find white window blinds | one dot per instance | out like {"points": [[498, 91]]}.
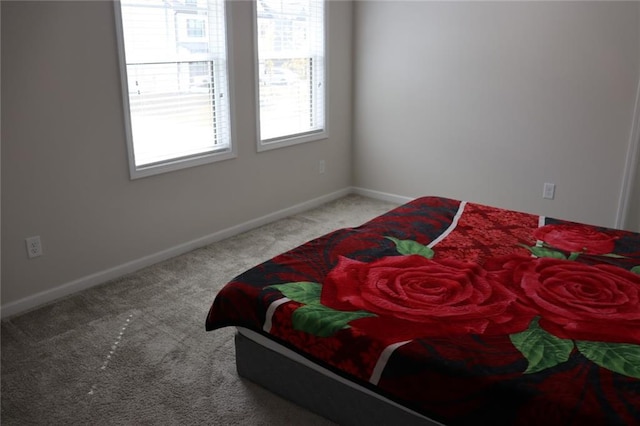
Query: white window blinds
{"points": [[175, 68], [290, 39]]}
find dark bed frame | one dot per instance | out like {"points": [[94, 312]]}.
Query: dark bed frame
{"points": [[316, 392]]}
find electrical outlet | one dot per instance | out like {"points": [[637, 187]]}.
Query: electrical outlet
{"points": [[549, 191], [321, 166], [34, 246]]}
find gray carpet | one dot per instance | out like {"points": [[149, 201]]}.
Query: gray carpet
{"points": [[134, 350]]}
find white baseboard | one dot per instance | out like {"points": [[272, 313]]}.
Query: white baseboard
{"points": [[383, 196], [36, 300], [48, 296]]}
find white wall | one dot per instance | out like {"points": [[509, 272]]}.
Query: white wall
{"points": [[486, 101], [64, 161]]}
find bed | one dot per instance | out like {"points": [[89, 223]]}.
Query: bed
{"points": [[447, 312]]}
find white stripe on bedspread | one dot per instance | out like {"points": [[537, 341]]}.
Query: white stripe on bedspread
{"points": [[270, 311], [451, 227], [542, 221], [382, 361]]}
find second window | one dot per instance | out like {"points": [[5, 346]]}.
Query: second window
{"points": [[290, 50]]}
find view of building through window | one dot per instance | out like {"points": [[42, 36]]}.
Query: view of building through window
{"points": [[290, 38], [175, 55]]}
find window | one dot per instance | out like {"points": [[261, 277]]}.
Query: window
{"points": [[173, 62], [195, 28], [290, 40]]}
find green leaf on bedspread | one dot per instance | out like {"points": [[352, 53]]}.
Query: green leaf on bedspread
{"points": [[313, 317], [636, 269], [301, 292], [574, 255], [322, 321], [622, 358], [546, 252], [407, 247], [541, 349], [614, 256]]}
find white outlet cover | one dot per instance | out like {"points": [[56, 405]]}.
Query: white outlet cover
{"points": [[34, 247], [549, 191]]}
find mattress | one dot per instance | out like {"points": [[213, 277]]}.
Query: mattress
{"points": [[460, 312]]}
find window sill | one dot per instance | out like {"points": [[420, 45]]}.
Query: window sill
{"points": [[137, 172], [276, 143]]}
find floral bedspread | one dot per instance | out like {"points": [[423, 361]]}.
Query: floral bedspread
{"points": [[463, 312]]}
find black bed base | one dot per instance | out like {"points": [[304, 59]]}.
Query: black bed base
{"points": [[316, 392]]}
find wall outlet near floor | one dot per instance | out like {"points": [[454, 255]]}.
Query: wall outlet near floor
{"points": [[321, 167], [549, 191], [34, 246]]}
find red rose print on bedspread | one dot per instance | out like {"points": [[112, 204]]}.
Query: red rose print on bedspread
{"points": [[576, 301], [576, 238], [424, 297]]}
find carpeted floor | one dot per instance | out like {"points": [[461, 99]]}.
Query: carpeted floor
{"points": [[134, 350]]}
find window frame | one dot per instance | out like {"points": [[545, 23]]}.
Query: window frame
{"points": [[184, 162], [298, 138]]}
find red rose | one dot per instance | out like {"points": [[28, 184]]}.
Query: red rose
{"points": [[598, 303], [576, 238], [425, 297]]}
